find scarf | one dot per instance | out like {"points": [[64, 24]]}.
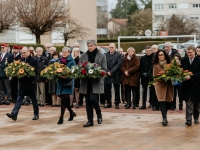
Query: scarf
{"points": [[162, 63], [128, 57], [92, 55]]}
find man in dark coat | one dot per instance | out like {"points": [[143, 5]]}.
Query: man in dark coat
{"points": [[14, 80], [191, 87], [114, 61], [169, 50], [27, 87], [5, 82], [145, 65], [42, 63]]}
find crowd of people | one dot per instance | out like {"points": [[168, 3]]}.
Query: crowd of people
{"points": [[125, 73]]}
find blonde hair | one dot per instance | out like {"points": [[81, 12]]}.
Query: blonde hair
{"points": [[130, 49], [73, 52]]}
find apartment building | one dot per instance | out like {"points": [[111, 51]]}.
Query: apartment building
{"points": [[164, 9]]}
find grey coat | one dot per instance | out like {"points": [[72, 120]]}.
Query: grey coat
{"points": [[97, 84], [113, 66]]}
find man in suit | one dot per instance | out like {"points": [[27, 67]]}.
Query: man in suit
{"points": [[191, 87], [169, 50], [27, 87], [5, 82], [42, 63], [114, 61], [91, 88]]}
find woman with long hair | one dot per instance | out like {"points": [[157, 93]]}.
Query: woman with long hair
{"points": [[62, 91], [164, 90]]}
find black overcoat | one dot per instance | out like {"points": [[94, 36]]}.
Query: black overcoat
{"points": [[8, 58], [28, 85], [114, 63], [191, 88]]}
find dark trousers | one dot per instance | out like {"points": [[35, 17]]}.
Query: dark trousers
{"points": [[123, 95], [154, 97], [177, 90], [137, 98], [144, 94], [164, 106], [65, 103], [48, 98], [92, 102], [108, 92], [128, 94], [101, 98], [81, 96], [19, 103], [14, 87], [192, 108], [5, 83]]}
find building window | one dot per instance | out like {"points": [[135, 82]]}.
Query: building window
{"points": [[196, 5], [194, 18], [172, 6], [158, 6]]}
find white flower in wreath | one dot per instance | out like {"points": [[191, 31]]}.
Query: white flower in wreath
{"points": [[90, 71], [72, 71]]}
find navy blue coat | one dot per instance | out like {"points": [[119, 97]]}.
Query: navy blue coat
{"points": [[60, 89], [113, 66], [8, 58], [28, 85]]}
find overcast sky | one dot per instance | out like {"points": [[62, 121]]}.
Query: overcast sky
{"points": [[111, 4]]}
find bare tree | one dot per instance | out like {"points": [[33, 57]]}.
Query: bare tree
{"points": [[72, 29], [7, 15], [179, 25], [40, 16], [139, 22]]}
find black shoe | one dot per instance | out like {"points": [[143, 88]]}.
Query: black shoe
{"points": [[188, 123], [137, 105], [196, 121], [88, 124], [26, 103], [134, 107], [2, 102], [41, 105], [127, 106], [36, 117], [60, 121], [72, 115], [72, 106], [117, 106], [12, 116], [150, 106], [164, 122], [142, 107], [7, 102], [14, 100], [99, 119], [108, 106]]}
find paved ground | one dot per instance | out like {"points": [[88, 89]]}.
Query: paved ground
{"points": [[121, 130]]}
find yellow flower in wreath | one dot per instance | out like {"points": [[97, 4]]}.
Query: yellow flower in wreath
{"points": [[59, 70], [32, 69]]}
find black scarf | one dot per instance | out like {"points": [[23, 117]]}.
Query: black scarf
{"points": [[92, 55]]}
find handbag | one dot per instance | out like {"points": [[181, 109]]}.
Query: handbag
{"points": [[67, 83]]}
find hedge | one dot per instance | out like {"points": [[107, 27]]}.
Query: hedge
{"points": [[139, 46]]}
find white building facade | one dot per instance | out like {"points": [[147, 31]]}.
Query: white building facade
{"points": [[164, 9]]}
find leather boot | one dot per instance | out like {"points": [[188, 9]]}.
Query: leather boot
{"points": [[72, 115], [60, 121]]}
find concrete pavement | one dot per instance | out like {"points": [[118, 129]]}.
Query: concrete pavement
{"points": [[121, 130]]}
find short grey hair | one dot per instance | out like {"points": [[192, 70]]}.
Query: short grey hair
{"points": [[154, 46], [48, 45], [76, 43], [94, 42], [168, 43], [39, 49], [66, 48], [53, 48]]}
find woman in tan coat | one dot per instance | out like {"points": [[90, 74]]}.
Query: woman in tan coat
{"points": [[164, 90], [130, 75]]}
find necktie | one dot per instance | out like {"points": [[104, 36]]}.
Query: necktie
{"points": [[14, 56], [190, 61]]}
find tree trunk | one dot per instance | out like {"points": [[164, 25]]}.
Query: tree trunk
{"points": [[38, 39], [65, 43]]}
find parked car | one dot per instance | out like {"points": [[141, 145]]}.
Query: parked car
{"points": [[104, 49], [179, 47], [192, 41], [190, 44]]}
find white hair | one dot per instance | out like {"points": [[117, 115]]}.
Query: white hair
{"points": [[73, 52], [39, 49], [168, 43], [53, 48], [48, 45], [130, 49], [154, 46], [76, 43]]}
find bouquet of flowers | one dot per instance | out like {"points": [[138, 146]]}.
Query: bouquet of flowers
{"points": [[19, 69], [172, 72], [88, 70], [56, 70]]}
